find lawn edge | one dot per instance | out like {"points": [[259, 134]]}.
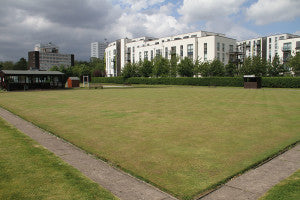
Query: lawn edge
{"points": [[196, 196], [259, 163], [118, 167]]}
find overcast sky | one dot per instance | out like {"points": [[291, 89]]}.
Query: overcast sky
{"points": [[74, 24]]}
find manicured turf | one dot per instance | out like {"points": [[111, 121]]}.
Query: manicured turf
{"points": [[288, 189], [28, 171], [183, 139]]}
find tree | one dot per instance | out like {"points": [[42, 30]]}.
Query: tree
{"points": [[54, 68], [204, 68], [130, 70], [21, 64], [160, 67], [254, 65], [7, 65], [173, 65], [97, 67], [231, 69], [294, 64], [276, 68], [186, 67], [145, 69], [216, 68]]}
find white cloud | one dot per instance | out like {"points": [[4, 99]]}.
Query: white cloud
{"points": [[229, 28], [195, 10], [268, 11], [138, 5], [297, 33]]}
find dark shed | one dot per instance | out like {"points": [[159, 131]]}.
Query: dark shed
{"points": [[31, 79], [252, 81]]}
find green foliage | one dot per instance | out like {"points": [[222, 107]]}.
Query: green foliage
{"points": [[186, 67], [130, 70], [98, 67], [231, 70], [216, 68], [117, 80], [294, 63], [146, 68], [7, 65], [204, 69], [254, 65], [161, 67], [281, 82], [173, 65], [21, 64]]}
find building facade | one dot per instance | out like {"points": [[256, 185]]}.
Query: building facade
{"points": [[201, 45], [98, 49], [269, 46], [46, 56]]}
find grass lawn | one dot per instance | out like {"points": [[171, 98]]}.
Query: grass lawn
{"points": [[28, 171], [288, 189], [182, 139]]}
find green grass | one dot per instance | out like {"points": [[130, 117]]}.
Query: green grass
{"points": [[184, 140], [288, 189], [28, 171]]}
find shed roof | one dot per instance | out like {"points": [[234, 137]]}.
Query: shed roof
{"points": [[30, 72], [74, 78]]}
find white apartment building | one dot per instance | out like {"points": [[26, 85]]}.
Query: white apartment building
{"points": [[266, 47], [98, 49], [201, 45], [46, 56]]}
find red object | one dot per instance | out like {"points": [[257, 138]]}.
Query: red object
{"points": [[73, 82]]}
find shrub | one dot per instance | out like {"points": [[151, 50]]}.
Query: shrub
{"points": [[118, 80], [281, 82]]}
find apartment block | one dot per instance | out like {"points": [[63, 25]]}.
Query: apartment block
{"points": [[267, 47], [46, 56], [201, 45], [98, 49]]}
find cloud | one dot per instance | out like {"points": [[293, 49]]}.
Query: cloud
{"points": [[230, 29], [268, 11], [137, 5], [195, 10]]}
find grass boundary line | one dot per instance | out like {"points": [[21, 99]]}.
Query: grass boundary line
{"points": [[115, 166], [195, 196], [251, 167]]}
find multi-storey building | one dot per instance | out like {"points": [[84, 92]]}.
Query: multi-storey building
{"points": [[266, 47], [46, 56], [201, 45], [98, 49]]}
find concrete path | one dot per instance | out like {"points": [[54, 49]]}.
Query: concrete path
{"points": [[119, 183], [254, 183]]}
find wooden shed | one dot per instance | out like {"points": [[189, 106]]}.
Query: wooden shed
{"points": [[31, 79], [73, 82], [252, 81]]}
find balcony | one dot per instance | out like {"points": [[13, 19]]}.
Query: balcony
{"points": [[286, 49]]}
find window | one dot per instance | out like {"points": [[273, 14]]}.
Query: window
{"points": [[270, 40], [151, 54], [231, 48], [145, 55], [270, 46], [173, 51], [190, 51], [218, 46], [287, 46], [223, 57], [166, 52], [223, 47], [158, 52], [140, 56], [181, 51], [205, 51], [218, 56], [133, 57], [281, 38]]}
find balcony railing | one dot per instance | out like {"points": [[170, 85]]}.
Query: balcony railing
{"points": [[286, 49]]}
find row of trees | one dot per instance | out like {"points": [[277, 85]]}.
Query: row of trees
{"points": [[9, 65], [162, 67], [96, 68]]}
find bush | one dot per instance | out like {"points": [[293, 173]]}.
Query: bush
{"points": [[118, 80], [281, 82], [270, 82]]}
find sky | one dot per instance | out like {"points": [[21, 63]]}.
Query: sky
{"points": [[74, 24]]}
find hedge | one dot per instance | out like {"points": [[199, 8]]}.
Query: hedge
{"points": [[271, 82]]}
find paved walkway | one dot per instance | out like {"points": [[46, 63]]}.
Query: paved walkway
{"points": [[248, 186], [119, 183], [254, 183]]}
